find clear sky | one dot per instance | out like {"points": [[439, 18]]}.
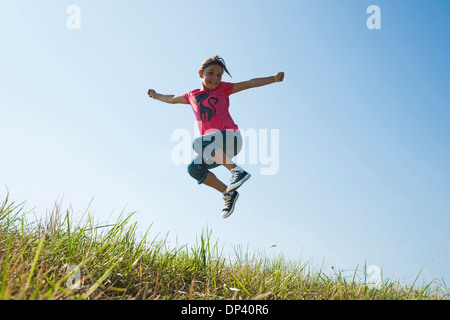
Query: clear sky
{"points": [[362, 116]]}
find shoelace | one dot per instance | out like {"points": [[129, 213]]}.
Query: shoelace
{"points": [[235, 176], [227, 199]]}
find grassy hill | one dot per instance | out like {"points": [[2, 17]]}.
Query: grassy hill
{"points": [[62, 259]]}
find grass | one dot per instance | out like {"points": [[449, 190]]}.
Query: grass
{"points": [[61, 259]]}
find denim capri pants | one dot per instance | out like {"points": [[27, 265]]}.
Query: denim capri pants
{"points": [[229, 141]]}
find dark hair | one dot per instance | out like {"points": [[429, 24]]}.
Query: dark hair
{"points": [[214, 60]]}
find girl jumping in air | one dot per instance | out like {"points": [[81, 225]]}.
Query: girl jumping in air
{"points": [[220, 139]]}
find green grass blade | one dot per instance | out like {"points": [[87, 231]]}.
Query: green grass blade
{"points": [[33, 266]]}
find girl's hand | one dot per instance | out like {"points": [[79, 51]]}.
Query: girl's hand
{"points": [[280, 76], [167, 98]]}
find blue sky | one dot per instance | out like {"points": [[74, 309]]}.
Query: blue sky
{"points": [[362, 118]]}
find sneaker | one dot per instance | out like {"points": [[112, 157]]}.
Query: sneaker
{"points": [[237, 179], [229, 202]]}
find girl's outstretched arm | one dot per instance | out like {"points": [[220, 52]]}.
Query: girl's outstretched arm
{"points": [[258, 82], [167, 98]]}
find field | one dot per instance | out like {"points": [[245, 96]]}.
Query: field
{"points": [[59, 259]]}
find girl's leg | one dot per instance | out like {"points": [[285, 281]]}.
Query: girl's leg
{"points": [[238, 175], [229, 198], [199, 170], [213, 182], [221, 157]]}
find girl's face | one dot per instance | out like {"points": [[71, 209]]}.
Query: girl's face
{"points": [[211, 76]]}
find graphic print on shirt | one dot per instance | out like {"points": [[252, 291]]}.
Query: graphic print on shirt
{"points": [[206, 112]]}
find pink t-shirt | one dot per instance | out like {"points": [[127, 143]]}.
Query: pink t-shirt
{"points": [[211, 108]]}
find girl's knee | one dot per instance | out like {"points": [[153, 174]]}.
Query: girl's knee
{"points": [[198, 172]]}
